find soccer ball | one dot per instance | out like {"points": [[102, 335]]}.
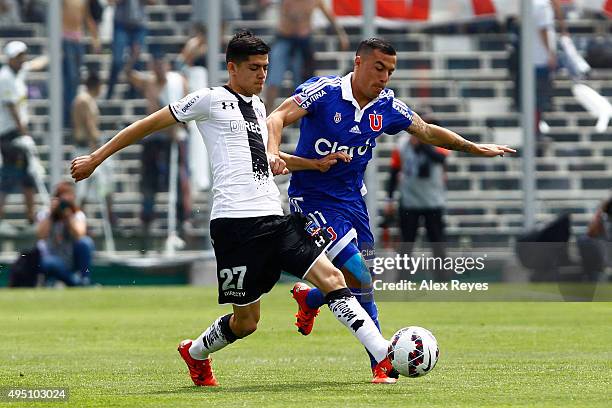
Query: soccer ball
{"points": [[413, 351]]}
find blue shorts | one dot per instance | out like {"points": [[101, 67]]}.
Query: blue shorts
{"points": [[348, 223]]}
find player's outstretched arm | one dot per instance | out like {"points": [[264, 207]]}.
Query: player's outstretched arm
{"points": [[83, 166], [439, 136], [297, 163]]}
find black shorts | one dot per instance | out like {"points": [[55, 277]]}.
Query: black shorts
{"points": [[252, 252]]}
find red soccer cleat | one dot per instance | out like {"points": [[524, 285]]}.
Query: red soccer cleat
{"points": [[305, 315], [384, 373], [200, 370]]}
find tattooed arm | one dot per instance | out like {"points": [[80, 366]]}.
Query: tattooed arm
{"points": [[439, 136]]}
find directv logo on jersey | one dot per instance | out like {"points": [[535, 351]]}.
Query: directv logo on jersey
{"points": [[325, 147], [304, 101], [190, 103], [240, 125]]}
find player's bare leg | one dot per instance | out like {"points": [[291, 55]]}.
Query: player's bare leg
{"points": [[244, 320]]}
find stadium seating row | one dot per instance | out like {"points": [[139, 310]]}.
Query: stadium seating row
{"points": [[469, 91]]}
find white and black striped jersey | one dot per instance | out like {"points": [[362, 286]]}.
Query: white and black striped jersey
{"points": [[234, 130]]}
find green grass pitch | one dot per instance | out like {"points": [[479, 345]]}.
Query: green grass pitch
{"points": [[117, 347]]}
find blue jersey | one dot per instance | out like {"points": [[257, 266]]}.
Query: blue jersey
{"points": [[335, 122]]}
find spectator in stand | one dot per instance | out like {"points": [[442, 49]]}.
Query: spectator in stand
{"points": [[420, 171], [160, 89], [62, 239], [545, 54], [596, 245], [292, 48], [75, 15], [265, 9], [195, 48], [129, 30], [13, 126], [230, 11], [192, 60], [87, 138], [96, 9], [544, 48], [34, 11], [10, 14]]}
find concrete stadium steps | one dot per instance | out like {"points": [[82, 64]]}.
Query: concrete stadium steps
{"points": [[469, 91]]}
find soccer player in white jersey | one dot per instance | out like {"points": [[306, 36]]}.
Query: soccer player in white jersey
{"points": [[347, 114], [252, 239]]}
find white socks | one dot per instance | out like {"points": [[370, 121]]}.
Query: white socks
{"points": [[217, 336], [349, 312]]}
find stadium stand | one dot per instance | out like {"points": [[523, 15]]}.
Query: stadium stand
{"points": [[468, 89]]}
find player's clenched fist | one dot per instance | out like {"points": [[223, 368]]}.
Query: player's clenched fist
{"points": [[325, 163], [82, 167], [277, 165]]}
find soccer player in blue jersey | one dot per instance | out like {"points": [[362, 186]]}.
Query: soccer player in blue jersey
{"points": [[347, 114]]}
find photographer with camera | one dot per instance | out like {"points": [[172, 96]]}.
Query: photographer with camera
{"points": [[63, 241], [15, 169]]}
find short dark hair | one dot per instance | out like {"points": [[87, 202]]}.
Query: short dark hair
{"points": [[371, 44], [244, 44], [93, 80]]}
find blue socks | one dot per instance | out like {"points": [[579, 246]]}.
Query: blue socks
{"points": [[315, 298]]}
